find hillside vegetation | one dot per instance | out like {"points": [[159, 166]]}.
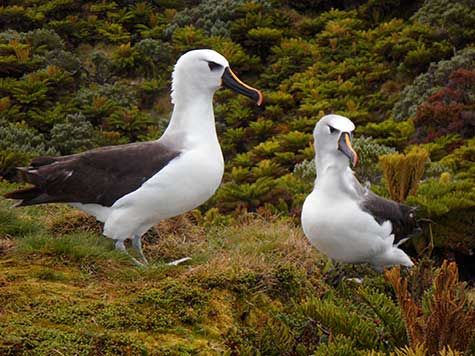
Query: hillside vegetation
{"points": [[254, 288], [75, 75]]}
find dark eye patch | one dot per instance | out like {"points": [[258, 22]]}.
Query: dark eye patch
{"points": [[214, 66], [332, 129]]}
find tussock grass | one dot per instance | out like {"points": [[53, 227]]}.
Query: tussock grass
{"points": [[256, 254], [175, 238], [74, 247], [72, 220], [12, 224], [84, 292]]}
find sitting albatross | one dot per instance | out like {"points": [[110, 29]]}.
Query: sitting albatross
{"points": [[343, 219], [134, 186]]}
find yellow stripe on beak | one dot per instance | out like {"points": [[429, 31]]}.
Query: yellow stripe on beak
{"points": [[344, 145], [230, 80], [348, 143]]}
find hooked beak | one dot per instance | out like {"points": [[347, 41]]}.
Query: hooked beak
{"points": [[344, 145], [231, 81]]}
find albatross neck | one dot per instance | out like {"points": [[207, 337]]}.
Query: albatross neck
{"points": [[330, 165], [335, 175], [193, 119]]}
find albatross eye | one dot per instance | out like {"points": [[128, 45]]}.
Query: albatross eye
{"points": [[332, 129], [214, 66]]}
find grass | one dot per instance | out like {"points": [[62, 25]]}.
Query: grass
{"points": [[256, 287]]}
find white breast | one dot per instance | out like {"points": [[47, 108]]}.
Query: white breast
{"points": [[184, 184], [341, 230]]}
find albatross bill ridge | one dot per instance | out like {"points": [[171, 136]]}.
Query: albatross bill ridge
{"points": [[134, 186], [340, 217]]}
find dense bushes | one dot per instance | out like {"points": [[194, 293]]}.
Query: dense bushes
{"points": [[18, 145], [428, 83], [449, 111], [456, 19]]}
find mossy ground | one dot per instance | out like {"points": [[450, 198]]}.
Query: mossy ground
{"points": [[256, 287], [65, 290]]}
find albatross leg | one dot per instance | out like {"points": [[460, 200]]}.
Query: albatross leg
{"points": [[119, 244], [137, 244]]}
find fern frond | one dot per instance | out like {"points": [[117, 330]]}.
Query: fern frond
{"points": [[342, 320], [450, 317], [417, 350], [339, 346], [387, 311]]}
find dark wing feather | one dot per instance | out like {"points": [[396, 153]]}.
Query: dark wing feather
{"points": [[100, 176], [402, 216], [383, 209]]}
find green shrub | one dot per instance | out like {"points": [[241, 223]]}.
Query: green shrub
{"points": [[155, 57], [18, 145], [74, 135], [456, 19], [213, 16], [437, 198], [114, 32], [131, 123], [63, 59], [43, 40]]}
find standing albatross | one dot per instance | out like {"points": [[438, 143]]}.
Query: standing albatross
{"points": [[343, 219], [134, 186]]}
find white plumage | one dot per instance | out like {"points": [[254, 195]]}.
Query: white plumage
{"points": [[332, 216]]}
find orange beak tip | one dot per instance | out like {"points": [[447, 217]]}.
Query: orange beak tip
{"points": [[261, 99]]}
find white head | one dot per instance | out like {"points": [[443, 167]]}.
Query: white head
{"points": [[203, 71], [332, 136]]}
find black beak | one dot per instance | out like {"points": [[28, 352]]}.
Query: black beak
{"points": [[231, 81], [344, 145]]}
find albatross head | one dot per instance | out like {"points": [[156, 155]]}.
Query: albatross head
{"points": [[203, 71], [332, 136]]}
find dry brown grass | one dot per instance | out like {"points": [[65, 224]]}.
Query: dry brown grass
{"points": [[257, 248], [5, 245], [72, 220], [175, 238]]}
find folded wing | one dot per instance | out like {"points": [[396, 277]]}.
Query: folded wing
{"points": [[100, 176]]}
